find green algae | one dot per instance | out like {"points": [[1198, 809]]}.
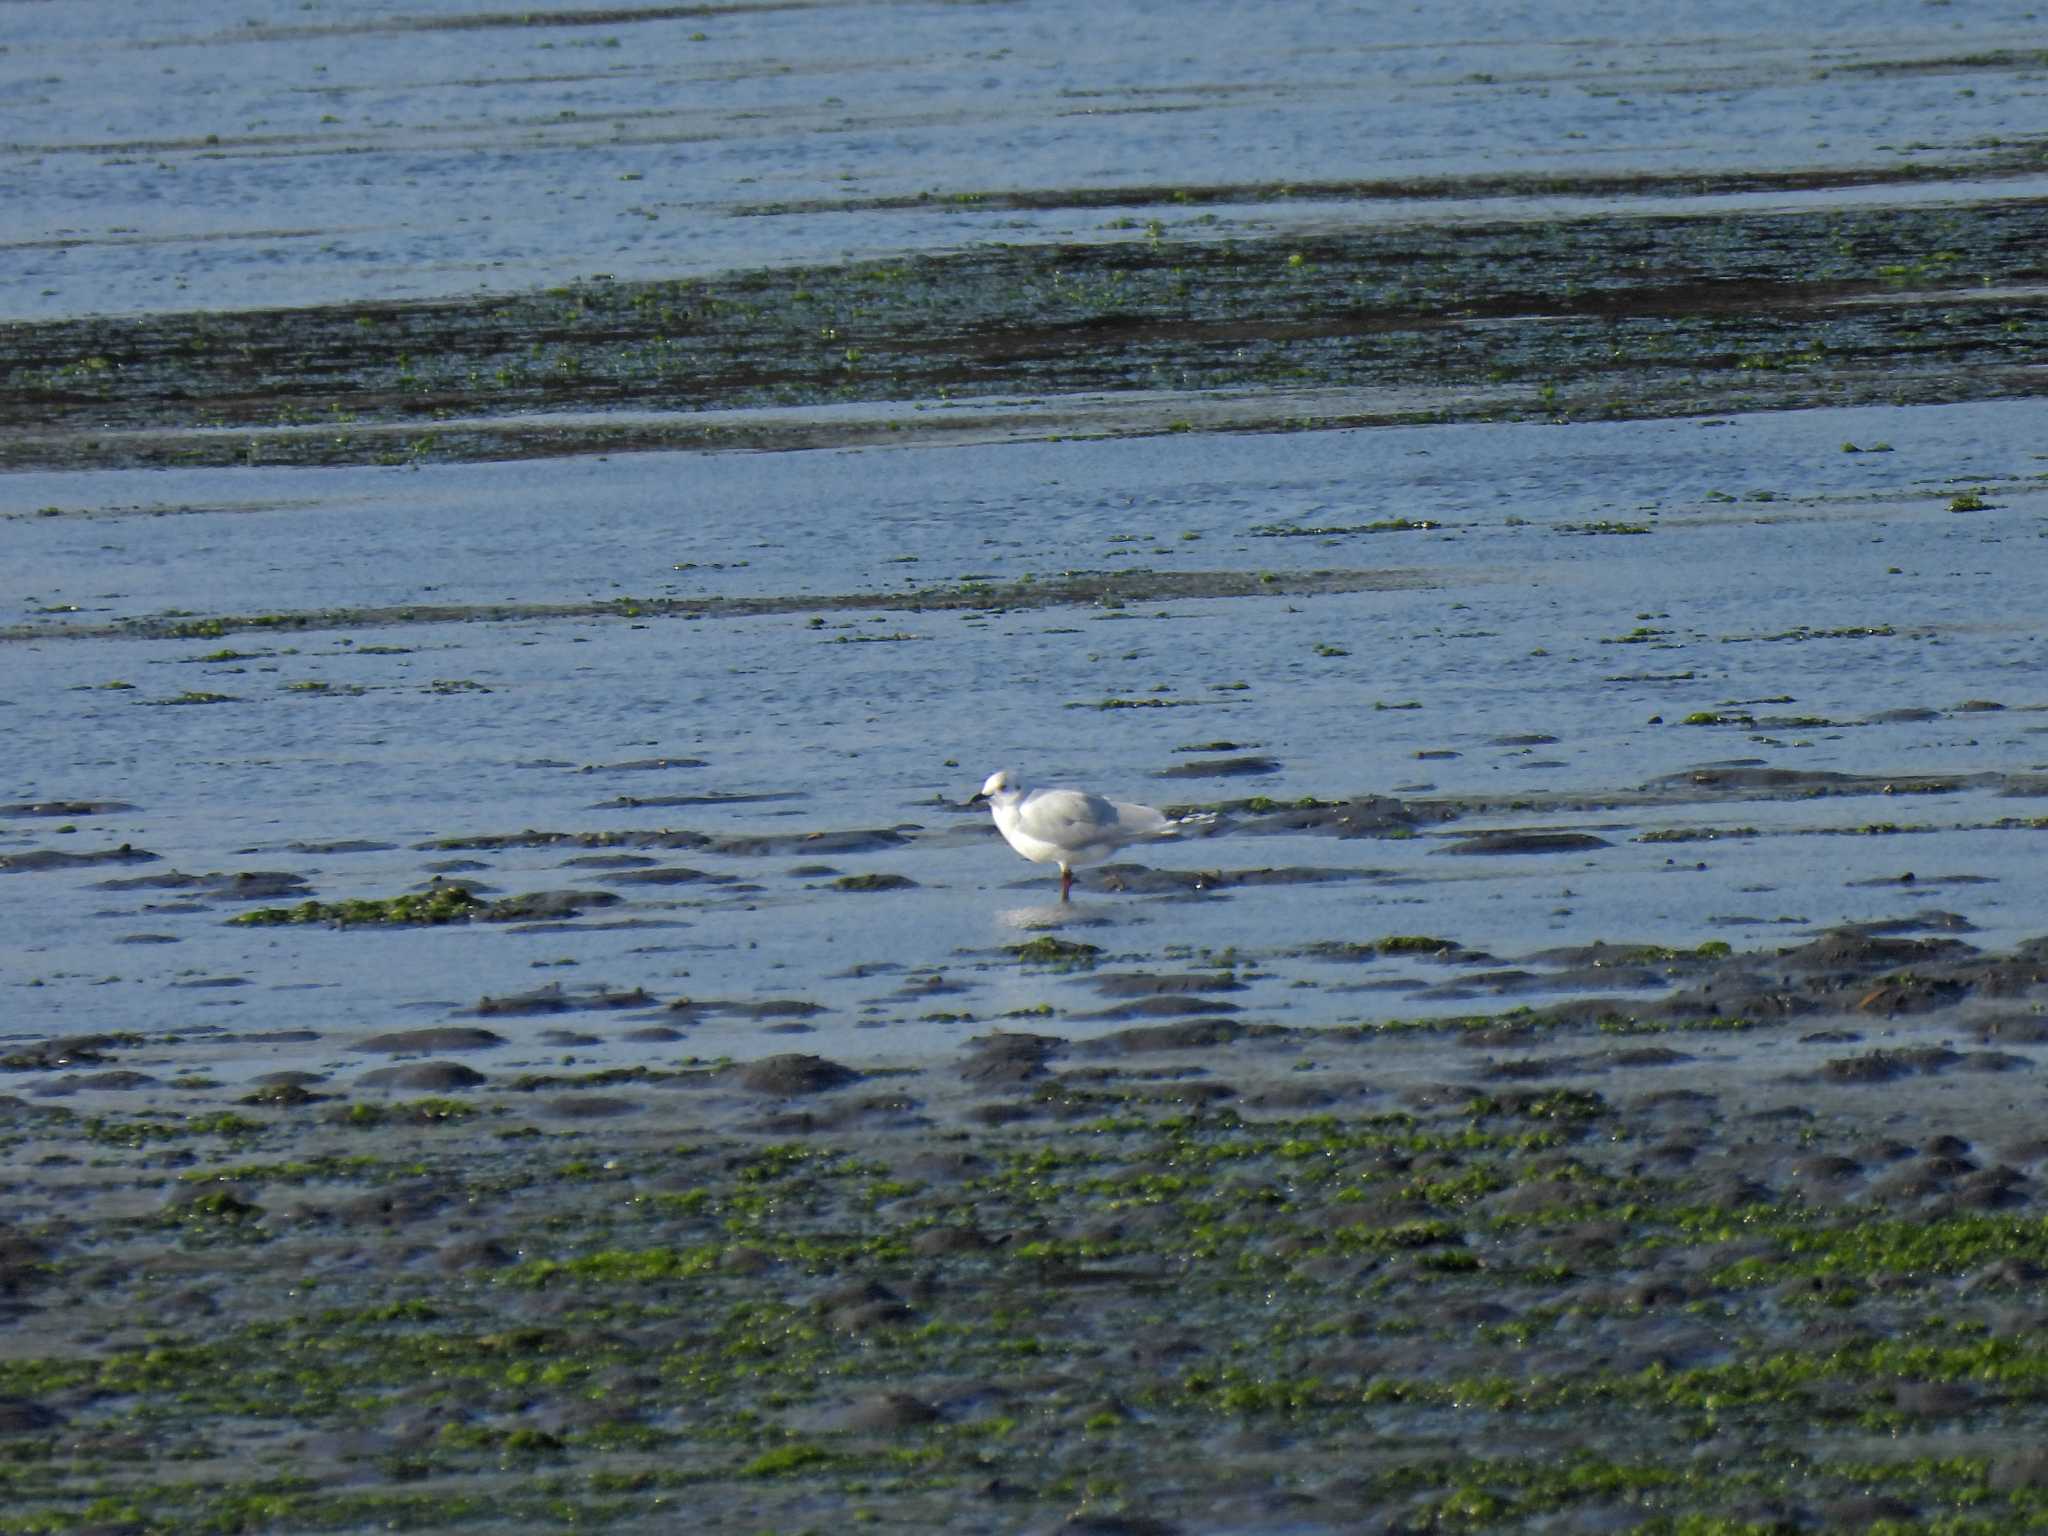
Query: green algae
{"points": [[214, 1217], [140, 1131], [613, 1267], [1692, 834], [445, 904], [1263, 804], [794, 1458], [1056, 953], [1414, 944], [1920, 1251], [331, 1166]]}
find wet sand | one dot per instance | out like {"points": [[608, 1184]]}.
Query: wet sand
{"points": [[511, 1027]]}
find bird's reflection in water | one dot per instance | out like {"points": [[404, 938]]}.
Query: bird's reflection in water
{"points": [[1044, 916]]}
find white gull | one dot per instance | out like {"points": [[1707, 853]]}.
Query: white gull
{"points": [[1071, 826]]}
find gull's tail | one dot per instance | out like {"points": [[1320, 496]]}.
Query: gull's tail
{"points": [[1145, 823]]}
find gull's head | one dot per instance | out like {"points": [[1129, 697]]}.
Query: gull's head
{"points": [[994, 785]]}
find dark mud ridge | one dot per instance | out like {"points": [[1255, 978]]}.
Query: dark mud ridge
{"points": [[1771, 1262], [1602, 316], [1108, 589]]}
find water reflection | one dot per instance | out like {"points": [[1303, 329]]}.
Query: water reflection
{"points": [[1079, 913]]}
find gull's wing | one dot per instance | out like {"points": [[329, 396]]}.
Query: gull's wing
{"points": [[1071, 818], [1141, 820]]}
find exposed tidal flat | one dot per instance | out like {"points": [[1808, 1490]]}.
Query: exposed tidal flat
{"points": [[521, 531]]}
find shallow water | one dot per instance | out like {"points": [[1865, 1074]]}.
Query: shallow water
{"points": [[272, 153], [1511, 667]]}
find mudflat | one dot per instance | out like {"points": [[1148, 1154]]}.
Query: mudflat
{"points": [[523, 531]]}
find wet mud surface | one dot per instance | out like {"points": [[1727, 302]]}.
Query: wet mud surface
{"points": [[1573, 1267], [1602, 317], [508, 1024]]}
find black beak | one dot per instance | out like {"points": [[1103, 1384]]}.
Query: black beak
{"points": [[973, 800]]}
